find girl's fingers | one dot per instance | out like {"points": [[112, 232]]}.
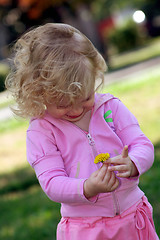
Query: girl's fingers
{"points": [[125, 152], [123, 174], [114, 160], [118, 160], [118, 168], [102, 171], [115, 185], [108, 176], [113, 182], [112, 179]]}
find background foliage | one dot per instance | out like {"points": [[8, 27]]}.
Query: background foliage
{"points": [[26, 213]]}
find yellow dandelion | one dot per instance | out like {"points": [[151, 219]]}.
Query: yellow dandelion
{"points": [[102, 157]]}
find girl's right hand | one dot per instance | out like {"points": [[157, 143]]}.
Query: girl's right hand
{"points": [[100, 181]]}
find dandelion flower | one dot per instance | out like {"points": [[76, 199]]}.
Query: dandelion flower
{"points": [[102, 157]]}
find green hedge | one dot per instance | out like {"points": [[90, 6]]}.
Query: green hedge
{"points": [[126, 37], [4, 70]]}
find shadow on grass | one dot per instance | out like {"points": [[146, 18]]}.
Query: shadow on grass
{"points": [[18, 180], [27, 213]]}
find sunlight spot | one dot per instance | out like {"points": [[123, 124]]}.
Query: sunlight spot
{"points": [[139, 16]]}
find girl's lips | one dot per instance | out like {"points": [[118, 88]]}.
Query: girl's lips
{"points": [[74, 116]]}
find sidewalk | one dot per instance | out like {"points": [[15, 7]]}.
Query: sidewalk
{"points": [[126, 74], [132, 72]]}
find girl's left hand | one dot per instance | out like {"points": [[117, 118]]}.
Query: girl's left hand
{"points": [[123, 165]]}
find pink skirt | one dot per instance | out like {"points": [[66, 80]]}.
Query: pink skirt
{"points": [[136, 223]]}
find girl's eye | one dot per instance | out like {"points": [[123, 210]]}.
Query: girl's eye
{"points": [[88, 99], [62, 107]]}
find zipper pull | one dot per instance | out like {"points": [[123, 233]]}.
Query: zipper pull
{"points": [[90, 139]]}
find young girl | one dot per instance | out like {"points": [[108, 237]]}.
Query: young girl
{"points": [[53, 82]]}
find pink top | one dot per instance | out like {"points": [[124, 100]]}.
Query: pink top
{"points": [[62, 156]]}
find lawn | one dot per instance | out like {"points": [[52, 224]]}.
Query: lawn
{"points": [[26, 213], [148, 51], [141, 96]]}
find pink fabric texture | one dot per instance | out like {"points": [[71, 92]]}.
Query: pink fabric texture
{"points": [[136, 223], [62, 156]]}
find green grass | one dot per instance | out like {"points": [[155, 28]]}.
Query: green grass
{"points": [[142, 96], [148, 51], [5, 103], [26, 213], [4, 69], [12, 124], [18, 180]]}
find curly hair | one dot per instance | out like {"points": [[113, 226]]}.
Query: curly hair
{"points": [[52, 63]]}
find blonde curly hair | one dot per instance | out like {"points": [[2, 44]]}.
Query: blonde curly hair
{"points": [[52, 63]]}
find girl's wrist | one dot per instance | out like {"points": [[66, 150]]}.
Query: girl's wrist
{"points": [[134, 171], [88, 193]]}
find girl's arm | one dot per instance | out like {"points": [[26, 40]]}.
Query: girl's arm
{"points": [[48, 164], [140, 148], [45, 158]]}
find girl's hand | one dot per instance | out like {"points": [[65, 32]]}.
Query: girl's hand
{"points": [[100, 181], [123, 165]]}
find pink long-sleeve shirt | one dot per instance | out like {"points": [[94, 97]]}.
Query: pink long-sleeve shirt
{"points": [[62, 156]]}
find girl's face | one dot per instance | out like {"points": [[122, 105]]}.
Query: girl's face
{"points": [[71, 113]]}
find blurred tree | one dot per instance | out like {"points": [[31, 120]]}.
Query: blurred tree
{"points": [[89, 16], [23, 14], [126, 37], [152, 12], [103, 8]]}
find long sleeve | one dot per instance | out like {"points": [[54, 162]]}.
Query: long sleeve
{"points": [[141, 150], [45, 158]]}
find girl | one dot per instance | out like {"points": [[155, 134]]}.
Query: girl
{"points": [[53, 82]]}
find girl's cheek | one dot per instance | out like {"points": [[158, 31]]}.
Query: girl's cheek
{"points": [[90, 106]]}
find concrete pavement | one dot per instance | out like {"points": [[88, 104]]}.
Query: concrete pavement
{"points": [[130, 73]]}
